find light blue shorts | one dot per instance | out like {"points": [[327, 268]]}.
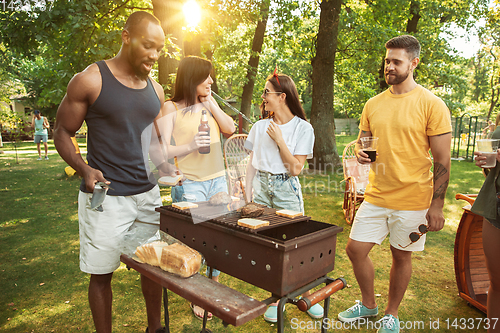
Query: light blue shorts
{"points": [[194, 191], [41, 137], [281, 191]]}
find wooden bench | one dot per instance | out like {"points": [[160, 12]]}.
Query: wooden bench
{"points": [[223, 302]]}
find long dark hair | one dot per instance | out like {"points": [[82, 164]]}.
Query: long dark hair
{"points": [[191, 72], [284, 83]]}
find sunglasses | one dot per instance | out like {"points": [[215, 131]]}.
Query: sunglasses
{"points": [[266, 91], [415, 236]]}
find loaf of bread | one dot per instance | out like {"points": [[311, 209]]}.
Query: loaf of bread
{"points": [[151, 253], [180, 260]]}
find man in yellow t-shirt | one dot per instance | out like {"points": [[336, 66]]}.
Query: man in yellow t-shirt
{"points": [[404, 198]]}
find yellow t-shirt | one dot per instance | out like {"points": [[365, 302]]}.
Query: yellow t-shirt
{"points": [[196, 166], [401, 178]]}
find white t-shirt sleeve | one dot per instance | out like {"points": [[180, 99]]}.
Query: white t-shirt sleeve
{"points": [[305, 140], [250, 141]]}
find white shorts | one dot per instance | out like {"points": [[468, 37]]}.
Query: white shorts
{"points": [[101, 233], [373, 223]]}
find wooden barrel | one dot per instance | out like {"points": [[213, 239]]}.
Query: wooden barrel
{"points": [[470, 264]]}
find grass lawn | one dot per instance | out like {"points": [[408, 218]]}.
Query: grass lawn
{"points": [[43, 289]]}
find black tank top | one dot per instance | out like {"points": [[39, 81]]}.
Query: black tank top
{"points": [[116, 122]]}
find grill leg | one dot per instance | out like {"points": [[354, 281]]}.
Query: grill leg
{"points": [[326, 306], [205, 313], [165, 310], [281, 314]]}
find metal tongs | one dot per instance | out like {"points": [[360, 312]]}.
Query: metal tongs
{"points": [[98, 196]]}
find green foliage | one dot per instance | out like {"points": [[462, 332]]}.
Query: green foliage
{"points": [[43, 49], [47, 47], [15, 127]]}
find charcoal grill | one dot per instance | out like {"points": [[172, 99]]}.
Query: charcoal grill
{"points": [[281, 258]]}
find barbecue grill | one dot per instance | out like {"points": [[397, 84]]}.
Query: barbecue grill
{"points": [[281, 258]]}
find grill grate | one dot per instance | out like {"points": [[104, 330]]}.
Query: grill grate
{"points": [[227, 217]]}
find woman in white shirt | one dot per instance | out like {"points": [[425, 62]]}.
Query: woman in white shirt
{"points": [[280, 146]]}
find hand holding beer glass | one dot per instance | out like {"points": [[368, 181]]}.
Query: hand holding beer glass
{"points": [[486, 154], [369, 148]]}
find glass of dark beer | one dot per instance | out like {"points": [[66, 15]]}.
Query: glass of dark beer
{"points": [[369, 147]]}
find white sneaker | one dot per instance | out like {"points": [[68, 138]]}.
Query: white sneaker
{"points": [[46, 157], [39, 159]]}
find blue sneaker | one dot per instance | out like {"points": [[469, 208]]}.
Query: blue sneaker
{"points": [[316, 311], [356, 312], [271, 314], [388, 324]]}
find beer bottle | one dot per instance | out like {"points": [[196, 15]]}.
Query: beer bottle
{"points": [[204, 127]]}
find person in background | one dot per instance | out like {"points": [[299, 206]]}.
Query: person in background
{"points": [[119, 102], [488, 130], [41, 125], [487, 205], [204, 174], [403, 198], [280, 146]]}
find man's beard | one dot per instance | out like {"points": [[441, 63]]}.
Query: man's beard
{"points": [[397, 79], [137, 67]]}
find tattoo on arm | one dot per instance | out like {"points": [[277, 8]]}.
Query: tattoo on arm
{"points": [[440, 192], [439, 172]]}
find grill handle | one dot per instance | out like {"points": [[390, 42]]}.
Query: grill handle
{"points": [[305, 303]]}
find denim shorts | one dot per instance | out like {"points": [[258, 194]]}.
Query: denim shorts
{"points": [[281, 191], [194, 191]]}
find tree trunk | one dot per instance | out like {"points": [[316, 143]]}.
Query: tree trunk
{"points": [[495, 94], [253, 62], [411, 28], [213, 73], [411, 25], [322, 110], [192, 45], [169, 12]]}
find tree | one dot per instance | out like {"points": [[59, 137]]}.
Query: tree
{"points": [[480, 65], [323, 64], [253, 62], [65, 38], [170, 15], [491, 37]]}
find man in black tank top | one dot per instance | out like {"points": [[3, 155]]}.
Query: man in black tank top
{"points": [[119, 102]]}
